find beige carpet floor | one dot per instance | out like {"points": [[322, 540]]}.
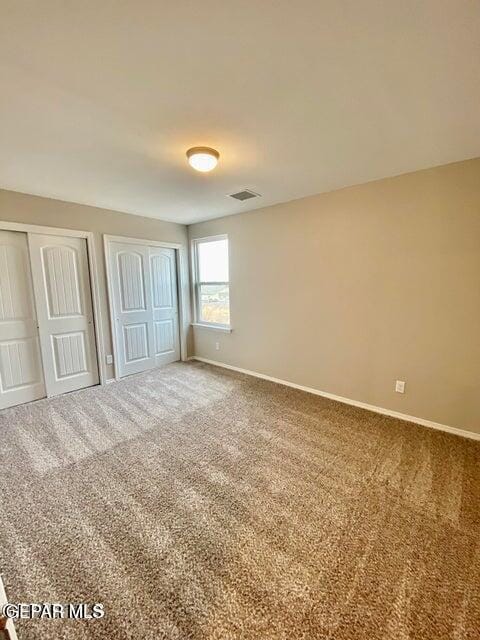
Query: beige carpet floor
{"points": [[200, 503]]}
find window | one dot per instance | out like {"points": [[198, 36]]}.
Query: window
{"points": [[212, 290]]}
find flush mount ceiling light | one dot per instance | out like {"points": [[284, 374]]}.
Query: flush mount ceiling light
{"points": [[202, 158]]}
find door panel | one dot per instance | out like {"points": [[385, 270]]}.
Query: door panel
{"points": [[69, 354], [165, 305], [144, 292], [164, 336], [21, 376], [61, 278], [19, 363], [162, 280], [133, 310], [62, 290], [132, 281], [136, 342]]}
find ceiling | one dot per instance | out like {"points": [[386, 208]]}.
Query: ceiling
{"points": [[100, 100]]}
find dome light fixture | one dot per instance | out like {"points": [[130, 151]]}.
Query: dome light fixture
{"points": [[203, 158]]}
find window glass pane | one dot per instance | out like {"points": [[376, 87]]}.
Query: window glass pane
{"points": [[213, 261], [214, 304]]}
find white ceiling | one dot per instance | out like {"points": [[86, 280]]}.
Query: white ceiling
{"points": [[99, 100]]}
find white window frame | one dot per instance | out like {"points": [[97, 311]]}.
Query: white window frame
{"points": [[197, 283]]}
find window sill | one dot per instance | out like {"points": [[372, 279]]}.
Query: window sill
{"points": [[212, 327]]}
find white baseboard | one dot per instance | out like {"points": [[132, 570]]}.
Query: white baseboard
{"points": [[354, 403]]}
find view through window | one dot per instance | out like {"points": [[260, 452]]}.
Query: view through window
{"points": [[212, 281]]}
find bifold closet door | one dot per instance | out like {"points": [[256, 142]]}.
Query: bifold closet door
{"points": [[21, 375], [61, 283], [144, 291]]}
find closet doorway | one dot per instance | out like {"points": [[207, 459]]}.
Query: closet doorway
{"points": [[143, 283], [48, 341]]}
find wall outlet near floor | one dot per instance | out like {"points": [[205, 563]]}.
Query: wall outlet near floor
{"points": [[217, 346], [400, 386], [109, 359]]}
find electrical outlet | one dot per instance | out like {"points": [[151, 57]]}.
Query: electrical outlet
{"points": [[400, 386], [109, 359], [217, 346]]}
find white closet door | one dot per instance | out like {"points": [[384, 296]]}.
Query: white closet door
{"points": [[131, 285], [21, 376], [165, 305], [61, 283], [144, 291]]}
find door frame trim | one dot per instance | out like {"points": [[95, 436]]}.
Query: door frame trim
{"points": [[182, 288], [92, 267]]}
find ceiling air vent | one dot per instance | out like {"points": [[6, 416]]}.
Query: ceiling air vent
{"points": [[246, 194]]}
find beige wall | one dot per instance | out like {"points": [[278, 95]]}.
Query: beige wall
{"points": [[348, 291], [18, 207]]}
